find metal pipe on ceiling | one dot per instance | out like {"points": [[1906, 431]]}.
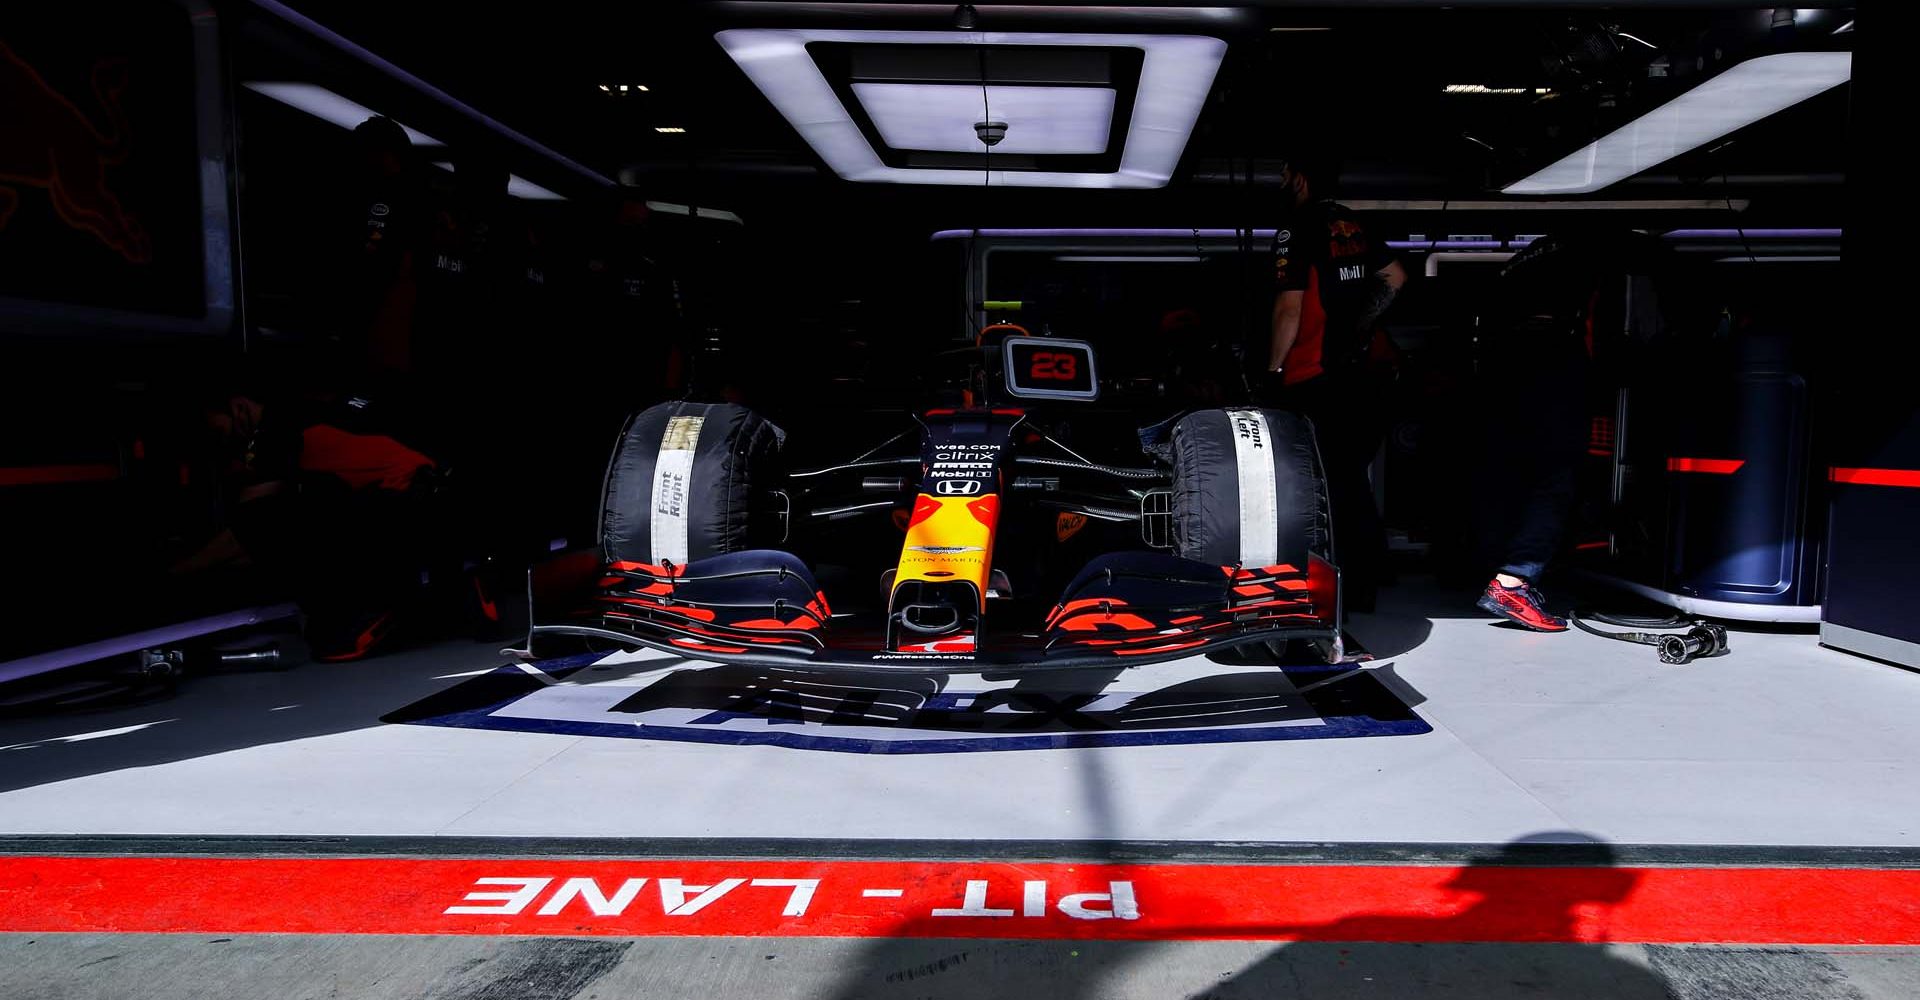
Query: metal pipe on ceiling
{"points": [[352, 50]]}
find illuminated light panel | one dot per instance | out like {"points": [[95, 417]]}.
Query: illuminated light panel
{"points": [[670, 129], [1475, 88], [1120, 259], [1757, 234], [940, 117], [328, 106], [520, 187], [1176, 76], [954, 234], [674, 208], [1734, 99]]}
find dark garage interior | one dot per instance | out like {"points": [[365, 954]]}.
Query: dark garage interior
{"points": [[756, 435]]}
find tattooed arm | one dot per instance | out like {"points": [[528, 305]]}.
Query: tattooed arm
{"points": [[1380, 292]]}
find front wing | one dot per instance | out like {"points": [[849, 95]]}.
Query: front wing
{"points": [[763, 608]]}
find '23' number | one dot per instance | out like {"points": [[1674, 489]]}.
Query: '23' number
{"points": [[1061, 367]]}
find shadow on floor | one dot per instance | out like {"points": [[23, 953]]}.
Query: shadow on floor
{"points": [[1387, 953], [216, 713], [1387, 634]]}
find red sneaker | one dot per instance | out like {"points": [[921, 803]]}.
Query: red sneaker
{"points": [[347, 639], [1522, 604]]}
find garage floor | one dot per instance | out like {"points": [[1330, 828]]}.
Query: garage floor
{"points": [[1462, 731], [1221, 793]]}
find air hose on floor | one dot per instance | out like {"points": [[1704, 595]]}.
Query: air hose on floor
{"points": [[1695, 639]]}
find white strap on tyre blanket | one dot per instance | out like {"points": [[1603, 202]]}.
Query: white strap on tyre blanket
{"points": [[672, 479], [1259, 496]]}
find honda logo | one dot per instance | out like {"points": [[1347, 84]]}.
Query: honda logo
{"points": [[958, 487]]}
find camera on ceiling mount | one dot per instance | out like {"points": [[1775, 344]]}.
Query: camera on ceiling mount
{"points": [[990, 132]]}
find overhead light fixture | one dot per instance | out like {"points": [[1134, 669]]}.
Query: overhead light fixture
{"points": [[940, 117], [674, 208], [1845, 29], [1117, 259], [1488, 244], [669, 129], [1621, 205], [520, 187], [1185, 234], [1756, 234], [1821, 259], [1475, 88], [1176, 75], [1736, 98], [329, 107], [605, 89]]}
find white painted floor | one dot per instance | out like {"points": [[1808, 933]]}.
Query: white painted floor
{"points": [[1780, 743]]}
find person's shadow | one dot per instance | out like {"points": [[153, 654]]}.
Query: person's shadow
{"points": [[1537, 927], [1544, 888]]}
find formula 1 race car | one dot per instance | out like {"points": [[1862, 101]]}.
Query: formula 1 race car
{"points": [[706, 550]]}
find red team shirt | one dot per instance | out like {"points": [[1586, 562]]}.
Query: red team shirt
{"points": [[1322, 250]]}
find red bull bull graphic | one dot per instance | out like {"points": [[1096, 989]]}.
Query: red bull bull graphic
{"points": [[55, 147]]}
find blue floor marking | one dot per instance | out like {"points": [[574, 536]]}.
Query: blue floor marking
{"points": [[1356, 706]]}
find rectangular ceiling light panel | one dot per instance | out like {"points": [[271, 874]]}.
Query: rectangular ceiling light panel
{"points": [[1734, 99], [328, 106], [520, 187], [1176, 75], [940, 117]]}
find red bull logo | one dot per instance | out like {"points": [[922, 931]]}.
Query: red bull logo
{"points": [[1347, 238], [54, 147]]}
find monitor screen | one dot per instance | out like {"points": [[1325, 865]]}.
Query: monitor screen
{"points": [[1045, 368]]}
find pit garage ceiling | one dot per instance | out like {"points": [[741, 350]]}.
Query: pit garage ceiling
{"points": [[1415, 100], [1076, 109]]}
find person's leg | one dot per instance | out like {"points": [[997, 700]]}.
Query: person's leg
{"points": [[1496, 484], [365, 567], [1344, 428], [268, 532], [1554, 445], [1345, 432], [1348, 446], [1542, 452], [1541, 524], [1359, 537], [1534, 540]]}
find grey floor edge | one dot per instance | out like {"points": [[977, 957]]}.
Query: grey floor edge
{"points": [[1181, 852], [212, 967]]}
